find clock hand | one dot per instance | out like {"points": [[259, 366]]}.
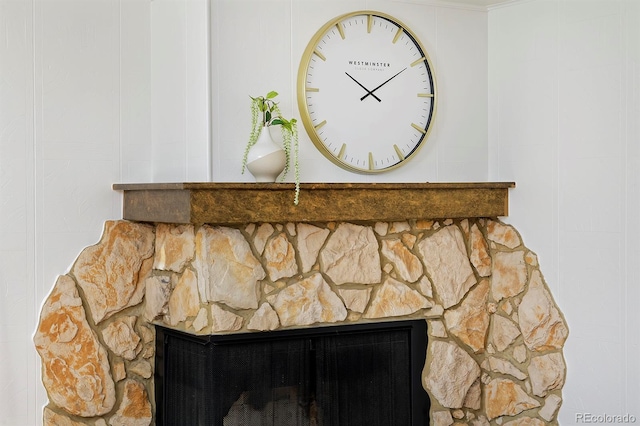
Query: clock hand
{"points": [[371, 92], [368, 92]]}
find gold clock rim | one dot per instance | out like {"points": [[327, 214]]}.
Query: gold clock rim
{"points": [[303, 108]]}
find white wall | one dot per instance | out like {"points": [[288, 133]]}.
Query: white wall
{"points": [[91, 93], [103, 91], [564, 110]]}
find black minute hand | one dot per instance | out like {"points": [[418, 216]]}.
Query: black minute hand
{"points": [[368, 92], [371, 92]]}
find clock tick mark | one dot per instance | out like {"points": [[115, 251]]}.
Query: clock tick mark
{"points": [[418, 128], [398, 152], [319, 125], [342, 150], [398, 34], [418, 61], [319, 55]]}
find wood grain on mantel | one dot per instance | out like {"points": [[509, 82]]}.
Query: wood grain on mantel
{"points": [[237, 203]]}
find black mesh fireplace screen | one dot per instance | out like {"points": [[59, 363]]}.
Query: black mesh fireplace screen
{"points": [[364, 374]]}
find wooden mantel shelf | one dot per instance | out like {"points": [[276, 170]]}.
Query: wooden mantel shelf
{"points": [[237, 203]]}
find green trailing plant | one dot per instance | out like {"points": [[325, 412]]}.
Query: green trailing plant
{"points": [[265, 113]]}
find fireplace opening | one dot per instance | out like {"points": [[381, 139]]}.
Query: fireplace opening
{"points": [[363, 374]]}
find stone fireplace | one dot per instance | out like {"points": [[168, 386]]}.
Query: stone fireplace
{"points": [[241, 258]]}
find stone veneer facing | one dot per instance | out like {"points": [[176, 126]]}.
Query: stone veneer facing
{"points": [[496, 336]]}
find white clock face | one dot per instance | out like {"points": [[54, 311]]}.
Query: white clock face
{"points": [[366, 92]]}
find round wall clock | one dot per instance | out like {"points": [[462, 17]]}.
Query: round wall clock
{"points": [[366, 92]]}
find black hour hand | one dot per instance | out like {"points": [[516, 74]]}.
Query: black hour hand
{"points": [[368, 92]]}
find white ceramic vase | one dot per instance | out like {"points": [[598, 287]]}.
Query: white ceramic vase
{"points": [[266, 159]]}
